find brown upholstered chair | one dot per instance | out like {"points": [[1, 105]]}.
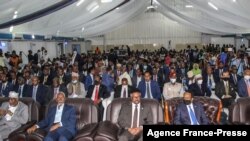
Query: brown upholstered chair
{"points": [[108, 130], [212, 108], [19, 134], [86, 115], [239, 112]]}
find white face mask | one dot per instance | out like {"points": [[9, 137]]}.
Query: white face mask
{"points": [[74, 81], [199, 82], [247, 77], [172, 80]]}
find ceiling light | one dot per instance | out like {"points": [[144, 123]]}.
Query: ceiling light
{"points": [[117, 8], [93, 9], [212, 5], [106, 1], [82, 29], [79, 2], [16, 12], [11, 28], [33, 36], [15, 16], [189, 6], [234, 0]]}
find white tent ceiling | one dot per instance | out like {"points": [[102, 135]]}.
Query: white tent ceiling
{"points": [[207, 16]]}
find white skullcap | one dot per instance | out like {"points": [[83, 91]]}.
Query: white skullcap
{"points": [[13, 94], [197, 76], [190, 74], [75, 74], [118, 65]]}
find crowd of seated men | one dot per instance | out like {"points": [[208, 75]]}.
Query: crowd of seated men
{"points": [[160, 74]]}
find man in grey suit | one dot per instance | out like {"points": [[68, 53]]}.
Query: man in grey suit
{"points": [[132, 116], [12, 115]]}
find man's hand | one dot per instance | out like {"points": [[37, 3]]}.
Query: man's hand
{"points": [[3, 112], [9, 112], [134, 131], [32, 129], [54, 127]]}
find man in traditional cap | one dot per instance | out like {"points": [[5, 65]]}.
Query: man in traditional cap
{"points": [[12, 115], [199, 88], [76, 88], [172, 88]]}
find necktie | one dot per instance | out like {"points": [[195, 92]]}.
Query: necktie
{"points": [[59, 106], [227, 89], [96, 94], [20, 91], [13, 82], [124, 93], [192, 116], [235, 79], [34, 93], [134, 124], [148, 91]]}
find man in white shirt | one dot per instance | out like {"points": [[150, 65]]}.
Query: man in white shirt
{"points": [[60, 123], [124, 75], [12, 115]]}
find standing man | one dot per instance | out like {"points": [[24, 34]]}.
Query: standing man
{"points": [[12, 115], [60, 122], [133, 115]]}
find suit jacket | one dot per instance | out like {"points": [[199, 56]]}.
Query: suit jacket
{"points": [[24, 91], [134, 81], [88, 82], [204, 91], [8, 88], [50, 93], [103, 92], [242, 88], [217, 74], [220, 91], [118, 91], [181, 116], [155, 89], [49, 80], [125, 115], [41, 93], [68, 119], [19, 117], [232, 79]]}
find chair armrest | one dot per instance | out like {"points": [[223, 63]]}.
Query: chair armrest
{"points": [[23, 128], [108, 129], [87, 130]]}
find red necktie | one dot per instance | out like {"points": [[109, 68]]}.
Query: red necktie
{"points": [[96, 94]]}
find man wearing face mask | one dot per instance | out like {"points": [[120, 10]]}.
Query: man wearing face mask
{"points": [[76, 88], [244, 84], [172, 88], [189, 112], [225, 90], [199, 88]]}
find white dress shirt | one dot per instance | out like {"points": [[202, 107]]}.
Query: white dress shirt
{"points": [[126, 88], [12, 109], [138, 81], [58, 115]]}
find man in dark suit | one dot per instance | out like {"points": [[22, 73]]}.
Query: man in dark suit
{"points": [[37, 91], [97, 93], [124, 90], [5, 86], [55, 89], [234, 77], [90, 78], [132, 116], [218, 72], [149, 88], [21, 88], [199, 88], [225, 90], [46, 78], [63, 79], [60, 122], [244, 84], [137, 79], [189, 112]]}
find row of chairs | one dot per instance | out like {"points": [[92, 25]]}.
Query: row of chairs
{"points": [[89, 129]]}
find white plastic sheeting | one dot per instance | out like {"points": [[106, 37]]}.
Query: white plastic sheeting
{"points": [[230, 18]]}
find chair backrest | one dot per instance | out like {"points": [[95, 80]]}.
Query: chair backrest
{"points": [[32, 107], [239, 112], [212, 108], [114, 108], [86, 111]]}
